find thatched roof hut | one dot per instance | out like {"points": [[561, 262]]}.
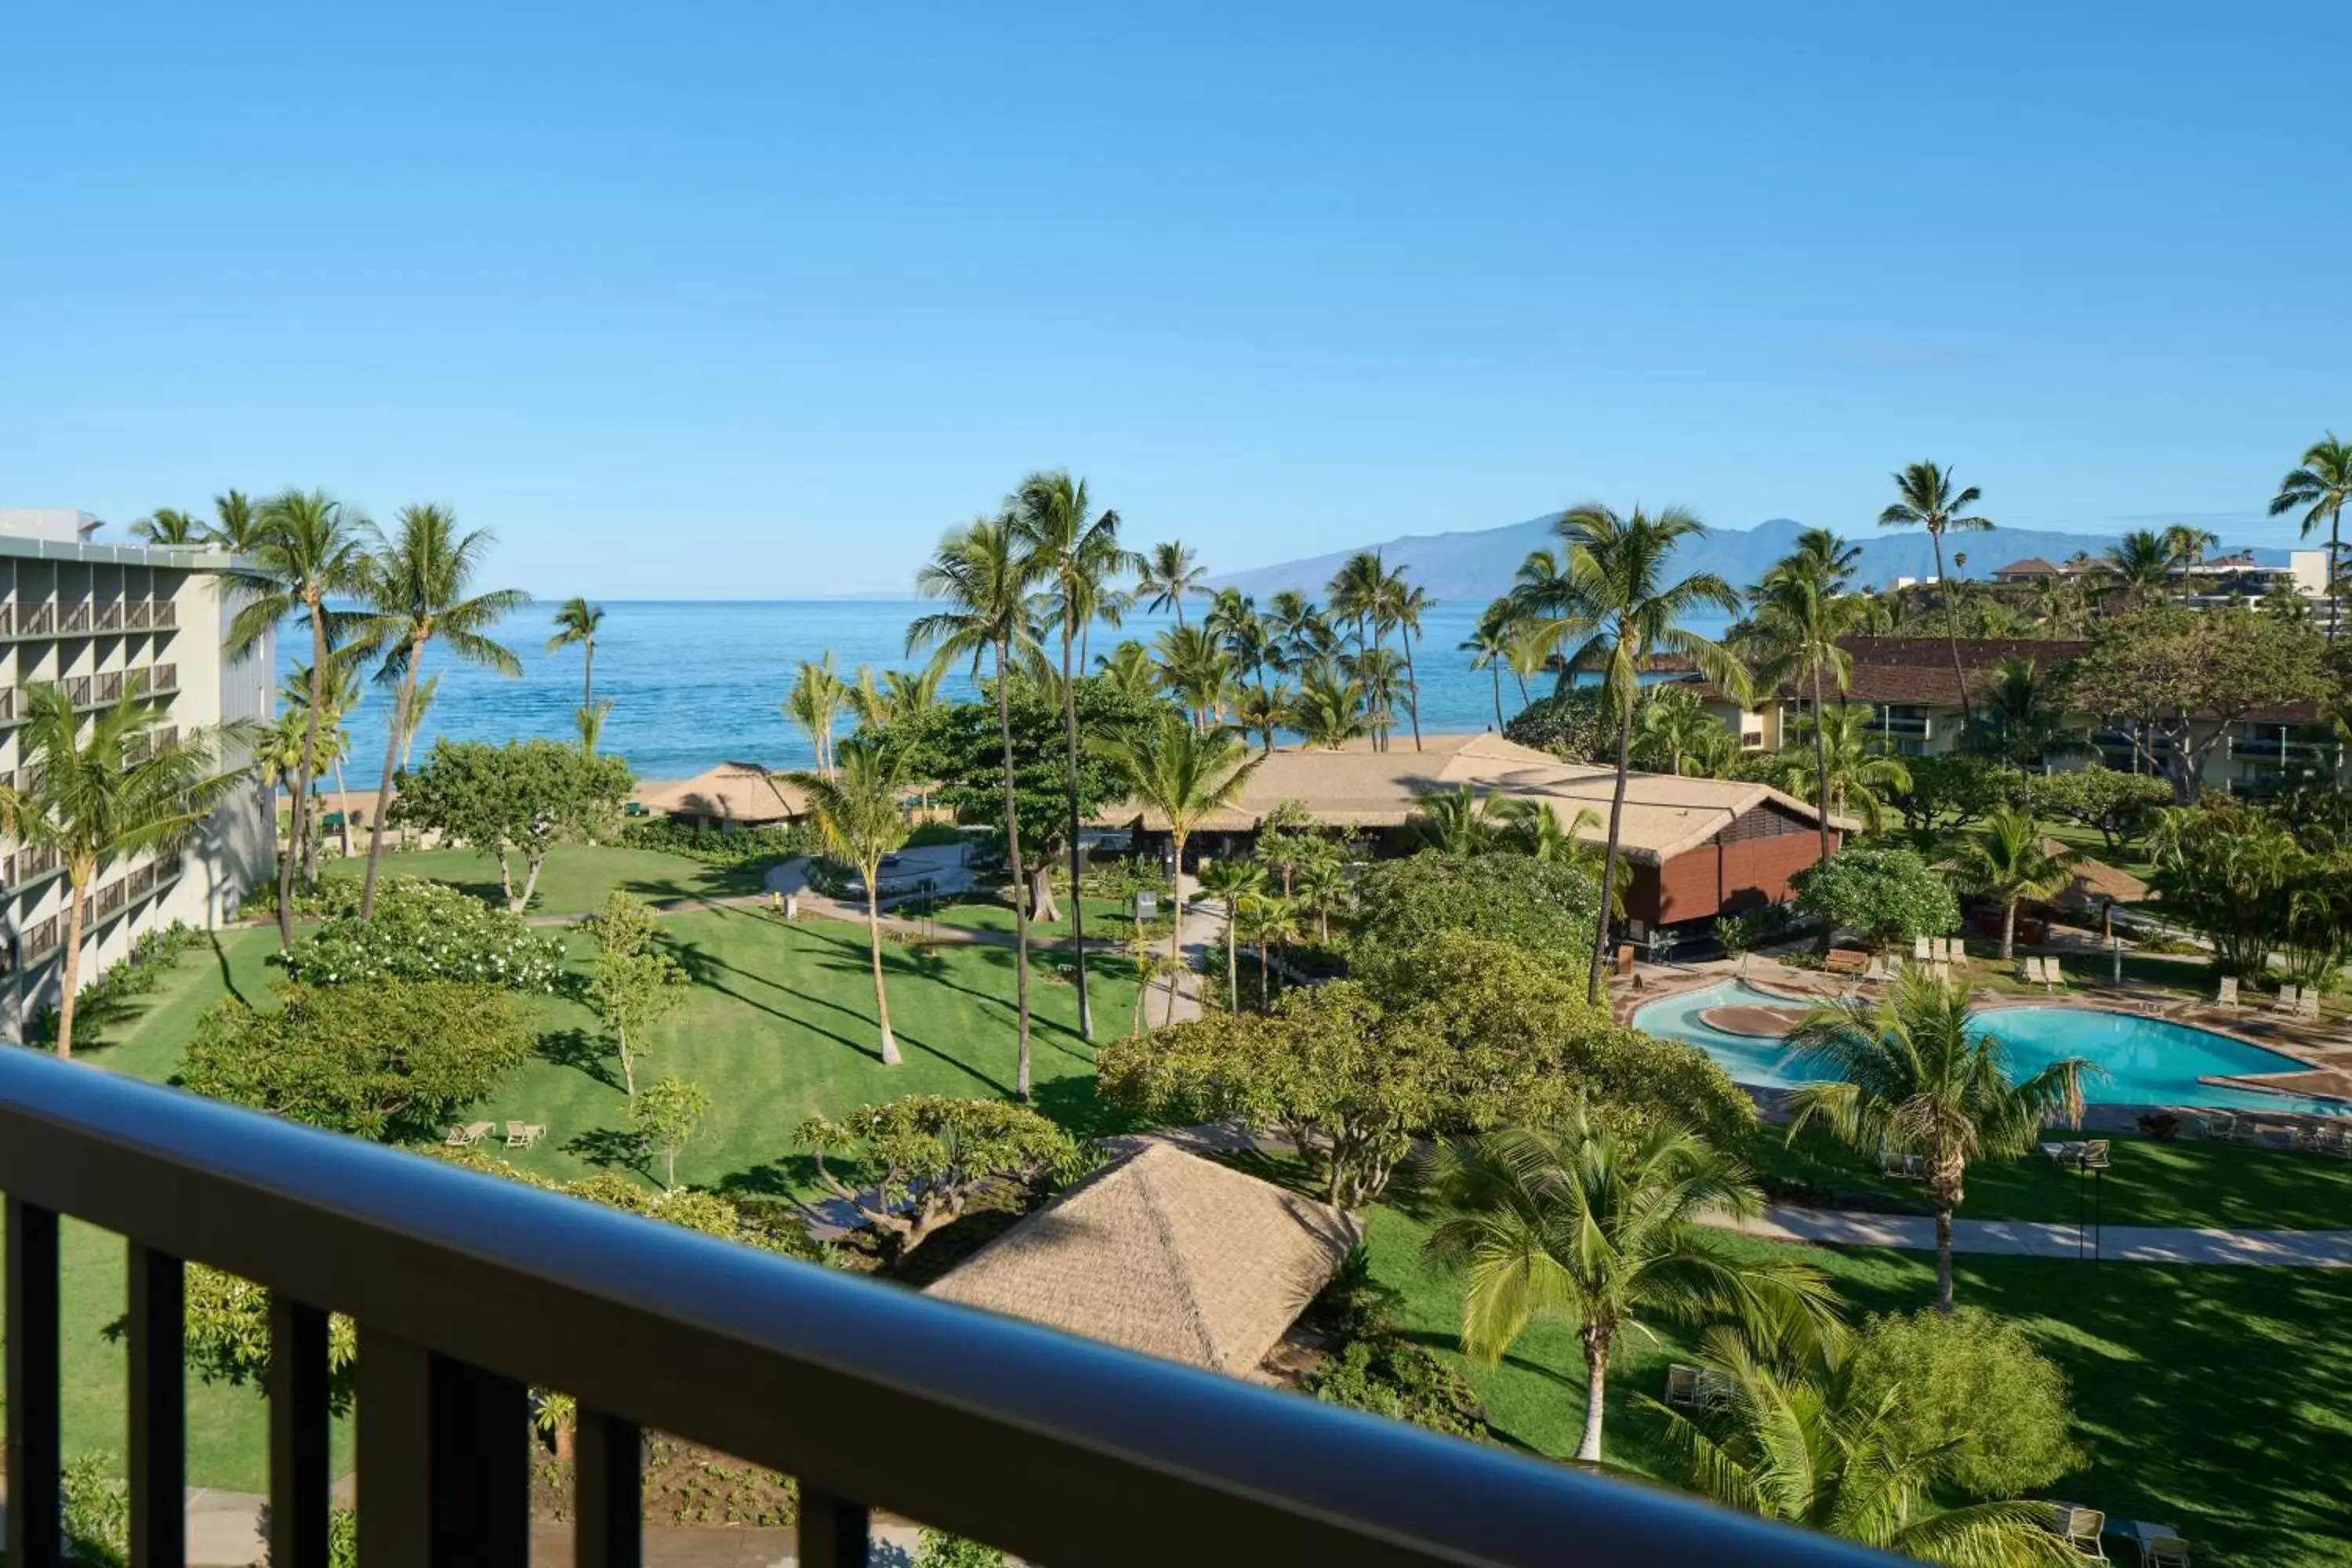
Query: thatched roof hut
{"points": [[732, 794]]}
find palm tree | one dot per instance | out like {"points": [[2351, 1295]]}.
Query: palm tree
{"points": [[2006, 859], [1609, 597], [1404, 604], [1075, 553], [578, 622], [418, 593], [1196, 671], [1489, 646], [1929, 502], [859, 808], [1322, 890], [305, 550], [1603, 1228], [1169, 573], [341, 693], [2186, 545], [2137, 565], [1273, 921], [1298, 628], [1359, 593], [1841, 768], [1914, 1074], [2320, 484], [2024, 722], [420, 703], [1460, 821], [1181, 775], [1835, 558], [1329, 710], [1798, 624], [1535, 830], [1379, 671], [1672, 731], [1262, 712], [169, 527], [815, 703], [1229, 881], [93, 796], [984, 581], [1131, 671]]}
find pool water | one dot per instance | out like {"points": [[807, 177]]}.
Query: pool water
{"points": [[2144, 1061]]}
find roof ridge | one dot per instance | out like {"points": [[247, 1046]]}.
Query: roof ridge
{"points": [[1163, 1230]]}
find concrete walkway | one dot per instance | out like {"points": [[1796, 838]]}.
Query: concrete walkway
{"points": [[2045, 1238]]}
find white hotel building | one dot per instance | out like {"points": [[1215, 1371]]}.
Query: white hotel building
{"points": [[104, 620]]}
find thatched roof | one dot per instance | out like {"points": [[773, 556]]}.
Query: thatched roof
{"points": [[2095, 882], [739, 793], [1166, 1253], [1357, 787]]}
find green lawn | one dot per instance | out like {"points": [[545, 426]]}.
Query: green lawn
{"points": [[576, 878], [1107, 918]]}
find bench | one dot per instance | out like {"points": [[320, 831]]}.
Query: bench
{"points": [[1846, 961]]}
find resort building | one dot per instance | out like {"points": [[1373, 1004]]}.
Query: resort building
{"points": [[107, 621], [2225, 580], [729, 797], [1697, 848]]}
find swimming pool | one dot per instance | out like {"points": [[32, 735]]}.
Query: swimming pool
{"points": [[2144, 1061]]}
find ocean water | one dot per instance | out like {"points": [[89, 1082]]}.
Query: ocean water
{"points": [[694, 683]]}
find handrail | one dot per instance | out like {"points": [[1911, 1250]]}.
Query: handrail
{"points": [[1063, 1449]]}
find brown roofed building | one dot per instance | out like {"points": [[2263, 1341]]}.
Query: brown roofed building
{"points": [[731, 796]]}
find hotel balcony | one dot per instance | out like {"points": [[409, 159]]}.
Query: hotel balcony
{"points": [[468, 1291], [82, 617]]}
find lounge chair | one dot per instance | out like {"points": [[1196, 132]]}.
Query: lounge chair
{"points": [[2288, 999], [2306, 1004], [1956, 952], [1874, 971], [2079, 1527], [1894, 966], [2029, 970], [1901, 1167], [2094, 1155], [1923, 950], [2227, 995], [523, 1134], [1695, 1387], [471, 1132], [2160, 1545]]}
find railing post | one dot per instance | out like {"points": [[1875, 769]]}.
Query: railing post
{"points": [[607, 1492], [299, 1418], [832, 1531], [158, 1409], [32, 1388], [444, 1460]]}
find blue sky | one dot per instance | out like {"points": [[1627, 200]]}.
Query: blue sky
{"points": [[752, 300]]}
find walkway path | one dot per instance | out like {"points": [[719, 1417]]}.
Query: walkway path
{"points": [[2045, 1238]]}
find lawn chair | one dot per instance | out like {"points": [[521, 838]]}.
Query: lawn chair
{"points": [[2029, 970], [2306, 1004], [471, 1134], [1874, 971], [2054, 972], [2227, 995], [1901, 1167], [1923, 950], [1683, 1384], [2079, 1527], [523, 1134], [1956, 952], [2160, 1545], [2094, 1155], [2288, 999], [1894, 966]]}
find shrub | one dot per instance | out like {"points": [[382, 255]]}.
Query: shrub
{"points": [[714, 848], [1389, 1375], [96, 1512], [1567, 724], [938, 1549], [1537, 906], [428, 931], [1977, 1381], [1888, 894], [107, 998]]}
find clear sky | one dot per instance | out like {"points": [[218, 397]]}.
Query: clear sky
{"points": [[752, 300]]}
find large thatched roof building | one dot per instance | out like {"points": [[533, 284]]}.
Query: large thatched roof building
{"points": [[732, 794], [1166, 1253]]}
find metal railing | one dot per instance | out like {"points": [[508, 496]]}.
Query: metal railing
{"points": [[109, 686], [8, 619], [39, 941], [77, 690], [109, 616], [39, 621], [166, 615], [7, 705], [468, 1291], [76, 619], [141, 612]]}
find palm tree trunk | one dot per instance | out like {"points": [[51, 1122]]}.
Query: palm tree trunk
{"points": [[1944, 1261], [383, 790], [1522, 679], [1077, 890], [1596, 1395], [588, 674], [1609, 881], [1497, 671], [1232, 959], [2008, 929], [308, 760], [1012, 860], [874, 951], [1264, 1000], [76, 888], [1176, 927], [2334, 548], [1822, 759], [1951, 632], [1412, 687]]}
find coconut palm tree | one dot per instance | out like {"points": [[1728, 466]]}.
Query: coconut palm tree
{"points": [[2318, 486], [1229, 881], [1460, 821], [169, 527], [1914, 1073], [1270, 921], [1799, 621], [577, 622], [1170, 572], [1074, 551], [1197, 672], [341, 691], [2024, 725], [420, 703], [1301, 629], [1262, 712], [1534, 830], [97, 795], [1489, 646], [236, 524], [305, 550], [1929, 500], [1674, 733], [2186, 545], [1380, 672], [1329, 710], [1404, 604], [1323, 888], [1834, 761], [1359, 595], [984, 579], [1835, 558], [1602, 1228], [1179, 774], [2004, 857], [1131, 671], [859, 807], [418, 593], [2138, 567], [815, 703], [1607, 605]]}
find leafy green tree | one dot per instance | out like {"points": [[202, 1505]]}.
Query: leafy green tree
{"points": [[1834, 762], [2118, 806], [2319, 487], [634, 984], [1458, 821], [417, 590], [1229, 881], [1608, 608], [2023, 725], [1602, 1230], [861, 811], [923, 1160], [1537, 906], [576, 625], [2006, 860], [523, 798], [387, 1059], [1798, 623], [1956, 788], [1568, 724], [1270, 921], [1928, 500], [666, 1116], [1973, 1388], [1170, 572], [938, 1549], [424, 930], [97, 796], [1915, 1073], [1889, 895]]}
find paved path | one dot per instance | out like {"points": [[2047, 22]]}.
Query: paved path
{"points": [[2031, 1238]]}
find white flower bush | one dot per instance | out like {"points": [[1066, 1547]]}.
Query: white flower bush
{"points": [[428, 931]]}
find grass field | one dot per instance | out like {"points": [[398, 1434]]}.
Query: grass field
{"points": [[576, 878]]}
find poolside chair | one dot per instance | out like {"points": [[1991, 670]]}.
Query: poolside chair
{"points": [[2079, 1528], [2227, 994], [472, 1132], [523, 1134], [1894, 966], [1955, 951], [2029, 970], [2306, 1004], [2286, 1000], [1923, 950], [2164, 1551], [2094, 1155], [1874, 971], [1682, 1386]]}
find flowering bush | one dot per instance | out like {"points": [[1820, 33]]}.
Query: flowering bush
{"points": [[427, 931]]}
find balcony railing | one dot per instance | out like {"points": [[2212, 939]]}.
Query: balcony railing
{"points": [[109, 901], [166, 615], [468, 1291], [109, 616], [39, 621], [109, 686], [8, 619], [40, 940], [141, 613], [77, 690], [7, 705], [76, 619]]}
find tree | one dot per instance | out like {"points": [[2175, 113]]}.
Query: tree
{"points": [[237, 524], [1404, 604], [424, 930], [2023, 725], [1229, 881], [1602, 1229], [1271, 920], [1839, 768], [2118, 806], [1956, 788], [1490, 645], [1913, 1073], [1889, 895], [341, 692], [577, 622], [1798, 624], [1611, 600], [94, 797], [306, 550], [921, 1161], [2138, 567], [984, 581], [1169, 571], [1673, 732], [417, 592], [1181, 776], [1459, 821], [169, 527], [1972, 1388], [666, 1116], [634, 984], [861, 811], [815, 703], [2319, 486], [521, 798], [2190, 677], [2006, 859], [1568, 724], [1075, 553], [1132, 670], [1330, 709], [1538, 906], [1928, 500], [385, 1059], [1196, 670]]}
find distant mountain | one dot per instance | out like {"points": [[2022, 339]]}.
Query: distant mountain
{"points": [[1476, 566]]}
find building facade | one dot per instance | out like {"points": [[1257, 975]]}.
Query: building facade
{"points": [[107, 621]]}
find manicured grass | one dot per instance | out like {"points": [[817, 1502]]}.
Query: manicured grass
{"points": [[2132, 857], [1107, 918], [577, 877]]}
